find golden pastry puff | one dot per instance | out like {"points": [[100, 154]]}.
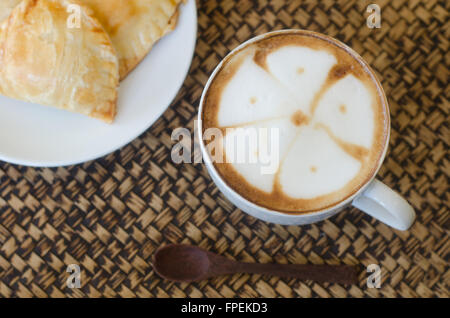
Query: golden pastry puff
{"points": [[134, 26], [56, 53]]}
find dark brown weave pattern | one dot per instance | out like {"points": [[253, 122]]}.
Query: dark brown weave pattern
{"points": [[109, 216]]}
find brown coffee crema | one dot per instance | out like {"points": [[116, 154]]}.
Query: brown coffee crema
{"points": [[348, 62]]}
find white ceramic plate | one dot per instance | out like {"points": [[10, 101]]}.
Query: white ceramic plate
{"points": [[39, 136]]}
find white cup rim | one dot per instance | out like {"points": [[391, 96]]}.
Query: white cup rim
{"points": [[293, 215]]}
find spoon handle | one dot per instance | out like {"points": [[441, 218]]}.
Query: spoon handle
{"points": [[342, 274]]}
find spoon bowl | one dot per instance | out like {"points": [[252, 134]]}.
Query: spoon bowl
{"points": [[181, 263]]}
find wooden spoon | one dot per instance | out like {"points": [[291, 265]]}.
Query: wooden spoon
{"points": [[185, 263]]}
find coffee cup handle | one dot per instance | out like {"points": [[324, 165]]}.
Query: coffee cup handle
{"points": [[386, 205]]}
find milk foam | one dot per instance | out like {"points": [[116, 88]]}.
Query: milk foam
{"points": [[301, 71], [328, 126], [316, 165], [251, 171], [253, 95], [354, 122]]}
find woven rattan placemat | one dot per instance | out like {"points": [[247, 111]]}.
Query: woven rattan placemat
{"points": [[109, 216]]}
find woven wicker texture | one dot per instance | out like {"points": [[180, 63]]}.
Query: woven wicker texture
{"points": [[109, 216]]}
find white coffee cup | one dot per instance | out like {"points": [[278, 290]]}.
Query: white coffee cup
{"points": [[373, 198]]}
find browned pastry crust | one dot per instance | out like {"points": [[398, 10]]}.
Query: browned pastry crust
{"points": [[134, 26], [44, 61]]}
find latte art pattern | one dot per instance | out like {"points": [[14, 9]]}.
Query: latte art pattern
{"points": [[329, 111]]}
